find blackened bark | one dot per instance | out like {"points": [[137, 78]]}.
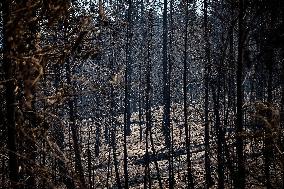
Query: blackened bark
{"points": [[89, 158], [166, 84], [116, 163], [148, 112], [141, 83], [59, 136], [209, 181], [168, 101], [3, 171], [31, 111], [108, 168], [114, 124], [74, 129], [220, 137], [147, 179], [90, 167], [240, 177], [268, 153], [282, 110], [9, 69], [185, 109], [155, 160], [166, 92], [127, 113], [148, 101], [98, 142], [128, 70]]}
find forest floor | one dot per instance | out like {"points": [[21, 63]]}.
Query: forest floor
{"points": [[136, 148], [103, 165]]}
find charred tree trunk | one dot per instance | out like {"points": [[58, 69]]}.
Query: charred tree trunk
{"points": [[74, 129], [282, 111], [148, 111], [141, 83], [209, 181], [59, 138], [219, 133], [127, 113], [9, 69], [166, 85], [240, 177], [268, 153], [128, 69], [113, 122], [166, 92], [190, 183]]}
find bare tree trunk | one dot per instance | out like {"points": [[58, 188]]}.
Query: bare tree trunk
{"points": [[166, 92], [59, 139], [155, 161], [9, 68], [32, 28], [148, 112], [282, 110], [219, 133], [127, 113], [268, 153], [114, 124], [89, 156], [108, 167], [128, 69], [141, 83], [185, 110], [240, 177], [209, 181], [74, 129]]}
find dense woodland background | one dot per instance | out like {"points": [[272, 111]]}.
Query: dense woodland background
{"points": [[141, 94]]}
